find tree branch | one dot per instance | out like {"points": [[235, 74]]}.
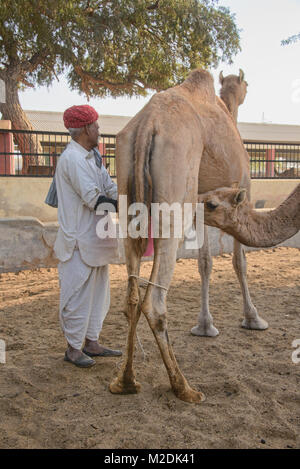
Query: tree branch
{"points": [[27, 83], [89, 77], [35, 60], [290, 40], [154, 6], [154, 35]]}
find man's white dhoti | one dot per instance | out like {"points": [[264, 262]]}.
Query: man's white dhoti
{"points": [[84, 299]]}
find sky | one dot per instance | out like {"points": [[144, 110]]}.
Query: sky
{"points": [[271, 70]]}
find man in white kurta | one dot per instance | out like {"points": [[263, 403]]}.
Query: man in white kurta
{"points": [[83, 268]]}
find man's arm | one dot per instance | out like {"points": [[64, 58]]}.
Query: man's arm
{"points": [[110, 187], [77, 174], [111, 191]]}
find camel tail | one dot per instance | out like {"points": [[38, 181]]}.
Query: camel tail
{"points": [[142, 184]]}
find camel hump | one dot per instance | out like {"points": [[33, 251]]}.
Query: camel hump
{"points": [[200, 77], [200, 83]]}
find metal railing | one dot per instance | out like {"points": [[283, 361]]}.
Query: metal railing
{"points": [[25, 153], [273, 160], [35, 154]]}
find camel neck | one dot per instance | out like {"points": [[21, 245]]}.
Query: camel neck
{"points": [[266, 229]]}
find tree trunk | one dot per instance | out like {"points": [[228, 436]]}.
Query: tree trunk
{"points": [[28, 144]]}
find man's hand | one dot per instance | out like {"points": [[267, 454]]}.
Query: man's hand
{"points": [[102, 199]]}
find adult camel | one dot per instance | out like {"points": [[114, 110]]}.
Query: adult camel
{"points": [[211, 176], [158, 160]]}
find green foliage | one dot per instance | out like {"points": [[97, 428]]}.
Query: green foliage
{"points": [[291, 40], [113, 47]]}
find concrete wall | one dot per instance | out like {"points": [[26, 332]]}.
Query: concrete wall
{"points": [[24, 197], [26, 243], [272, 191]]}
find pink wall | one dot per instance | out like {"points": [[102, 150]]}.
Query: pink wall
{"points": [[270, 157], [7, 162]]}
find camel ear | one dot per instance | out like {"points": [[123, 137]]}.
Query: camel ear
{"points": [[241, 76], [235, 185], [239, 197], [221, 78]]}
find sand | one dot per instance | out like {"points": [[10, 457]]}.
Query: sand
{"points": [[251, 384]]}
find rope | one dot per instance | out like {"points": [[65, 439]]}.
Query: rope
{"points": [[148, 281]]}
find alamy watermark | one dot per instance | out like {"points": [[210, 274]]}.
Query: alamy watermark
{"points": [[166, 221], [2, 351], [296, 353]]}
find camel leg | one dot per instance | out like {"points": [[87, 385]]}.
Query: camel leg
{"points": [[252, 319], [155, 310], [125, 382], [205, 325]]}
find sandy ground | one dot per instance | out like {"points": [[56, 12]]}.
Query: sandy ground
{"points": [[251, 384]]}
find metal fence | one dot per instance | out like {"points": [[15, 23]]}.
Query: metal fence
{"points": [[35, 154], [274, 160]]}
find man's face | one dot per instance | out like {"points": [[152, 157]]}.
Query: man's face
{"points": [[93, 133]]}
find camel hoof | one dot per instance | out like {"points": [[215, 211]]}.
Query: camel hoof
{"points": [[191, 396], [209, 331], [257, 324], [117, 386]]}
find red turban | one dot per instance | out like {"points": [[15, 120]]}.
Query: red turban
{"points": [[79, 116]]}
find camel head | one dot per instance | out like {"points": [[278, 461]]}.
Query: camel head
{"points": [[234, 90], [222, 206], [228, 209]]}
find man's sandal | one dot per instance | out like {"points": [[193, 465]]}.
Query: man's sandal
{"points": [[106, 352], [82, 362]]}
